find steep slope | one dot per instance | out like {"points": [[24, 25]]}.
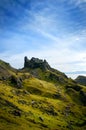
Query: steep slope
{"points": [[42, 70], [41, 104], [6, 70]]}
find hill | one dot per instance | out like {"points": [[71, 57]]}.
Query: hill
{"points": [[5, 70], [81, 80], [41, 69], [41, 98]]}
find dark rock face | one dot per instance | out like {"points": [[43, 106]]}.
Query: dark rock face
{"points": [[75, 87], [26, 62], [83, 97], [35, 63], [16, 81], [46, 72]]}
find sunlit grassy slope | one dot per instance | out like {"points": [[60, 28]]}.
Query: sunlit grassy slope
{"points": [[41, 104]]}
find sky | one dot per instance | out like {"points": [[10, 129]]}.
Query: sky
{"points": [[46, 29]]}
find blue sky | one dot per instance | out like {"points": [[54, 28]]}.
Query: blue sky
{"points": [[47, 29]]}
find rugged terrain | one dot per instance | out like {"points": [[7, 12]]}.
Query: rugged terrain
{"points": [[38, 97]]}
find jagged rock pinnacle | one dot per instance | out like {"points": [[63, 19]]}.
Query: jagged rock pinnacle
{"points": [[35, 63]]}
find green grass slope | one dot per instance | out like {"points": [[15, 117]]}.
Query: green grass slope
{"points": [[6, 70], [41, 104]]}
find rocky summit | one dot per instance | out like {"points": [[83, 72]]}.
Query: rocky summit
{"points": [[40, 97], [36, 63]]}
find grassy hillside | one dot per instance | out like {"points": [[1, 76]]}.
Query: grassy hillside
{"points": [[41, 104], [6, 70]]}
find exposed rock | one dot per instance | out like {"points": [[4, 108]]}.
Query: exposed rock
{"points": [[35, 63], [42, 70], [75, 87], [16, 82], [53, 76], [83, 97]]}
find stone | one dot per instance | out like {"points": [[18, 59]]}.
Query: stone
{"points": [[16, 81]]}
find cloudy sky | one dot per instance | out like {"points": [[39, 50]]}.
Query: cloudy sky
{"points": [[54, 30]]}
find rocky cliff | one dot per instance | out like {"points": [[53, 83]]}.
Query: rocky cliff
{"points": [[36, 63]]}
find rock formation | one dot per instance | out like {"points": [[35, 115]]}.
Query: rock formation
{"points": [[36, 63]]}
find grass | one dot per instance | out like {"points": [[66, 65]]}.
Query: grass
{"points": [[47, 101], [38, 102]]}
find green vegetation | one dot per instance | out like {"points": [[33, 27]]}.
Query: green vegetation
{"points": [[38, 101]]}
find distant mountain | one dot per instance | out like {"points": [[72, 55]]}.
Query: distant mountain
{"points": [[81, 80], [40, 97]]}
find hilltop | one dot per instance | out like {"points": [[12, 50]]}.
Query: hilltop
{"points": [[40, 97], [42, 70], [81, 80]]}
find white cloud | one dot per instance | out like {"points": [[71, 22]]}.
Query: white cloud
{"points": [[63, 50], [62, 59]]}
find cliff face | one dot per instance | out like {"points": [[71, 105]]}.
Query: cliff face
{"points": [[42, 70], [36, 63]]}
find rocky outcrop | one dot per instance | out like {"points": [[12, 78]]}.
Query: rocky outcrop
{"points": [[36, 63], [83, 97], [16, 82], [42, 70]]}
